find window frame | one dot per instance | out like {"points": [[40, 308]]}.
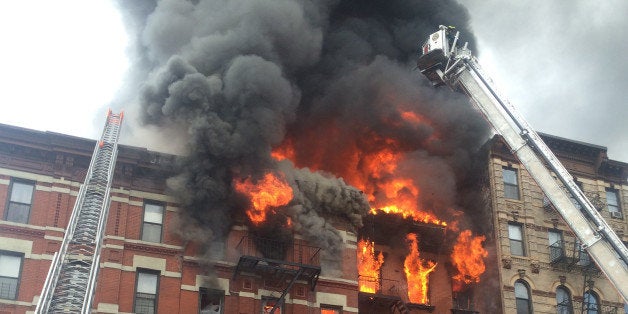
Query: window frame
{"points": [[331, 307], [137, 277], [19, 276], [522, 240], [529, 299], [516, 185], [210, 291], [585, 302], [566, 308], [8, 202], [617, 206], [266, 299], [553, 247], [144, 222]]}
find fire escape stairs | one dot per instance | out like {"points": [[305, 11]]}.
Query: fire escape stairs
{"points": [[399, 307], [303, 265]]}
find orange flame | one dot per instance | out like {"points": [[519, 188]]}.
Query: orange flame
{"points": [[368, 266], [266, 194], [372, 168], [412, 117], [468, 257], [417, 272]]}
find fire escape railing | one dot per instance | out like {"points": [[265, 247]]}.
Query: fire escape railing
{"points": [[584, 307], [569, 254], [281, 261]]}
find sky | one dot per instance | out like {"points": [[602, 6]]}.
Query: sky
{"points": [[562, 63]]}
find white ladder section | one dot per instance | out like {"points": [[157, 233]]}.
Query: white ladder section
{"points": [[71, 280]]}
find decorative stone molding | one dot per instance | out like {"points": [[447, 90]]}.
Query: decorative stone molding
{"points": [[535, 266], [507, 262]]}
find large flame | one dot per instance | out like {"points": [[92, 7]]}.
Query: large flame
{"points": [[374, 172], [368, 266], [417, 272], [265, 195], [468, 257]]}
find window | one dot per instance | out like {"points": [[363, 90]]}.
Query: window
{"points": [[10, 266], [583, 256], [563, 301], [211, 301], [20, 200], [146, 289], [556, 245], [267, 305], [522, 298], [515, 234], [330, 309], [590, 302], [153, 221], [612, 203], [511, 185]]}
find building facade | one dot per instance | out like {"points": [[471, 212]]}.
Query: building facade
{"points": [[534, 262], [145, 266], [542, 267]]}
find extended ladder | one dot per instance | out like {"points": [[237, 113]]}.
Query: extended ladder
{"points": [[71, 280], [444, 63]]}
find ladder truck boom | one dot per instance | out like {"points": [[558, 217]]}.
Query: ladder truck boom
{"points": [[444, 62], [71, 281]]}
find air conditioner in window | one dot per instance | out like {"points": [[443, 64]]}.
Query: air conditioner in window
{"points": [[616, 215]]}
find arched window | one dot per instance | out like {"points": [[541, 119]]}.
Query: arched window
{"points": [[563, 300], [522, 297], [591, 302]]}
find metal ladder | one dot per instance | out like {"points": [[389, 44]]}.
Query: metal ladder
{"points": [[71, 280]]}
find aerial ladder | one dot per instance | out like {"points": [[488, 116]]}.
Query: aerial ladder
{"points": [[71, 280], [445, 62]]}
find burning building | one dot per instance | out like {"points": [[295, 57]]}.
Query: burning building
{"points": [[318, 172]]}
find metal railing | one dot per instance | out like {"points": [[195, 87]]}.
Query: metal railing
{"points": [[584, 307], [386, 287], [296, 251], [568, 253]]}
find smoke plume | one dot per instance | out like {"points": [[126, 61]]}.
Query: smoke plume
{"points": [[331, 79]]}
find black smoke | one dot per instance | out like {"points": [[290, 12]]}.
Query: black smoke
{"points": [[239, 78]]}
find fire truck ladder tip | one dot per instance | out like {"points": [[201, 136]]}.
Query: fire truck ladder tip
{"points": [[71, 280]]}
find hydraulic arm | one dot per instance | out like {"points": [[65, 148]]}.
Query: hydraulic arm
{"points": [[445, 62]]}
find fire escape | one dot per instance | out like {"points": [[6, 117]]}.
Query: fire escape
{"points": [[570, 256], [279, 262], [71, 280]]}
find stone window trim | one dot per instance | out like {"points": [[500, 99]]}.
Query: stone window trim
{"points": [[153, 221], [523, 300], [10, 277], [142, 293], [211, 301], [25, 203], [564, 302]]}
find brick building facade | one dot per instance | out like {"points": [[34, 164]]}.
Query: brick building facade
{"points": [[145, 266]]}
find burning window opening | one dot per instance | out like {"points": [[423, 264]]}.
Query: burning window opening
{"points": [[369, 266], [468, 256], [417, 272]]}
